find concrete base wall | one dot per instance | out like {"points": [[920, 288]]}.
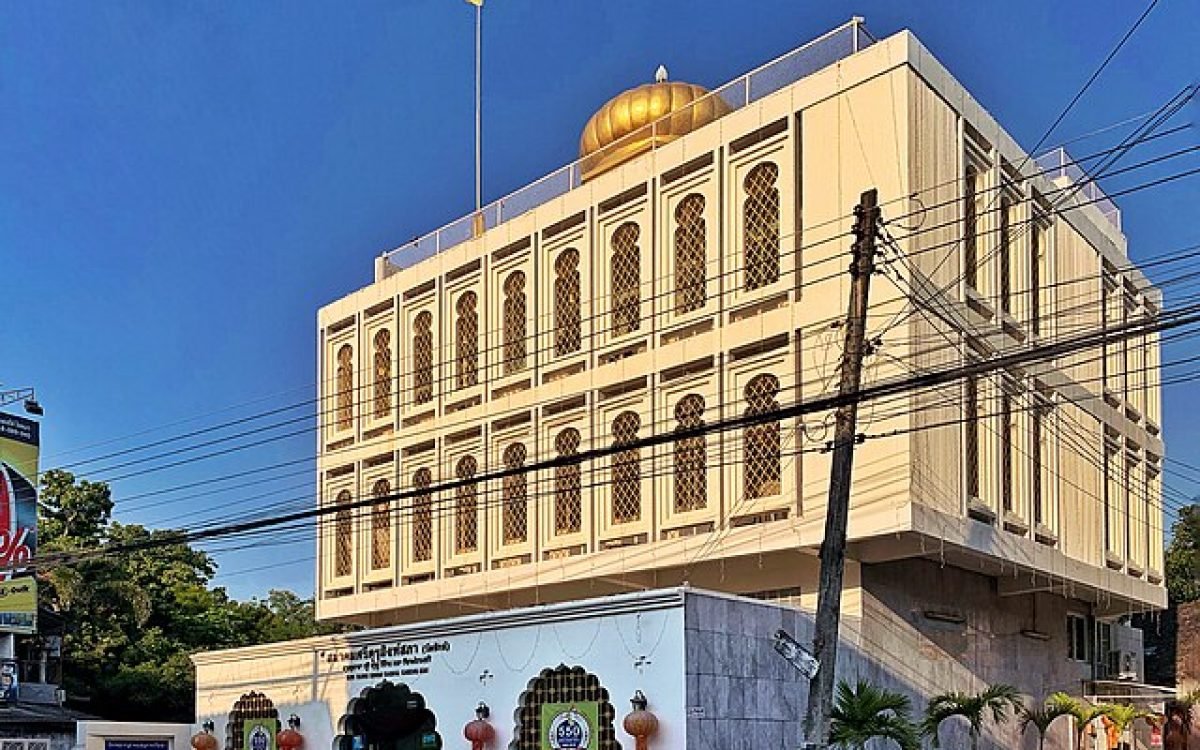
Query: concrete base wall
{"points": [[914, 645]]}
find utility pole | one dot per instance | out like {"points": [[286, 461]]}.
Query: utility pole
{"points": [[833, 546]]}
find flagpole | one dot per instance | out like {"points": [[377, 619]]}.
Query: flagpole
{"points": [[478, 107]]}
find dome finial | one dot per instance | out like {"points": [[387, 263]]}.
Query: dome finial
{"points": [[660, 75]]}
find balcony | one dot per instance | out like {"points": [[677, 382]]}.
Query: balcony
{"points": [[783, 71], [1058, 167]]}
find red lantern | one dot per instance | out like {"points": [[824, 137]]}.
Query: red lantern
{"points": [[290, 739], [204, 739], [479, 732], [640, 723]]}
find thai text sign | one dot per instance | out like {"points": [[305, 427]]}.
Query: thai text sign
{"points": [[18, 493]]}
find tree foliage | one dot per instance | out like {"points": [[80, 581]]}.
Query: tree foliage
{"points": [[1183, 557], [863, 712], [1182, 572], [996, 700], [1041, 717], [132, 619], [1083, 712]]}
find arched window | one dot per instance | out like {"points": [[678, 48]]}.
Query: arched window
{"points": [[423, 358], [381, 525], [253, 708], [343, 536], [760, 222], [691, 486], [466, 518], [515, 511], [568, 502], [626, 279], [422, 517], [467, 331], [568, 333], [345, 387], [514, 322], [690, 260], [563, 685], [626, 470], [760, 442], [383, 373]]}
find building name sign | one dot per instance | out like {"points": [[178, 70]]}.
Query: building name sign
{"points": [[137, 744], [385, 660]]}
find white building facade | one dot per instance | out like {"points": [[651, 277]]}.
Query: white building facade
{"points": [[690, 271]]}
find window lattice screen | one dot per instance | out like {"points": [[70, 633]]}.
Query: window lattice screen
{"points": [[762, 468], [383, 373], [466, 504], [760, 222], [423, 358], [381, 525], [1005, 253], [422, 517], [252, 705], [626, 470], [467, 329], [568, 505], [970, 228], [626, 279], [514, 322], [971, 435], [515, 521], [345, 387], [343, 533], [568, 329], [690, 252], [691, 485], [563, 684]]}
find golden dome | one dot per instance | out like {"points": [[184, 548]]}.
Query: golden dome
{"points": [[626, 125]]}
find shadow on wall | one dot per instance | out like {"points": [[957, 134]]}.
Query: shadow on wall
{"points": [[929, 629]]}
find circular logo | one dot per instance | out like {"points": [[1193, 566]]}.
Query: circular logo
{"points": [[569, 731], [259, 739]]}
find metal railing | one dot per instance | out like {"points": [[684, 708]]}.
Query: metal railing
{"points": [[803, 61], [1058, 163]]}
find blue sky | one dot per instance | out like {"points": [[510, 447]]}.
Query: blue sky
{"points": [[183, 184]]}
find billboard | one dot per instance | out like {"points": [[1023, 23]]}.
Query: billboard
{"points": [[18, 605], [18, 493]]}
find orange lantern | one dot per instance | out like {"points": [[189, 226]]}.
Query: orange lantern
{"points": [[640, 723], [479, 732], [290, 739], [204, 739]]}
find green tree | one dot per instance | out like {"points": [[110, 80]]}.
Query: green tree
{"points": [[1183, 556], [997, 700], [1083, 712], [864, 712], [1123, 715], [132, 618], [1182, 573], [1040, 718]]}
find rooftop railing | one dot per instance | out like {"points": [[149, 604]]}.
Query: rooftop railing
{"points": [[1058, 163], [803, 61]]}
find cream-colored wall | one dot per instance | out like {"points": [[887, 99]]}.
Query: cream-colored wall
{"points": [[890, 118], [93, 735], [1077, 247]]}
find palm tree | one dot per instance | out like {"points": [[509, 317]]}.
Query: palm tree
{"points": [[864, 711], [1041, 718], [1083, 712], [996, 699], [1122, 715]]}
